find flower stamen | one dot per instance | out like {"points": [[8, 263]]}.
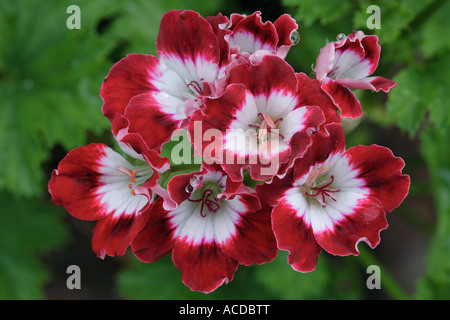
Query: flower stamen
{"points": [[323, 192], [266, 127], [196, 87], [212, 205], [131, 173], [130, 186]]}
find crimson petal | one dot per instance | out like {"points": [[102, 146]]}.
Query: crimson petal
{"points": [[203, 267]]}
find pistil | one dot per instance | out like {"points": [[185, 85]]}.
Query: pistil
{"points": [[196, 87], [213, 205], [266, 126], [323, 192]]}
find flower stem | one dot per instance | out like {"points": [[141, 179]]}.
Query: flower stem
{"points": [[387, 281]]}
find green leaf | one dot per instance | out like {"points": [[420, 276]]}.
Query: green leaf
{"points": [[324, 11], [50, 78], [405, 107], [433, 39], [419, 98], [436, 282], [28, 229], [439, 98]]}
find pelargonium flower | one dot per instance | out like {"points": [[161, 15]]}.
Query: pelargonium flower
{"points": [[94, 182], [349, 63], [217, 225], [251, 36], [260, 119], [246, 39], [334, 198], [164, 90]]}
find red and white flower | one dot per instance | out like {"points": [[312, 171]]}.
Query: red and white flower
{"points": [[217, 225], [260, 118], [164, 91], [94, 182], [246, 40], [334, 198], [250, 36], [349, 63], [225, 82]]}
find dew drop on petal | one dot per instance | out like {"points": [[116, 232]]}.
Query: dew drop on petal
{"points": [[295, 37], [340, 36]]}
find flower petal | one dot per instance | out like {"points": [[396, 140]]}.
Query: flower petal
{"points": [[344, 98], [324, 62], [271, 74], [134, 146], [350, 62], [251, 35], [311, 94], [217, 23], [113, 235], [253, 241], [194, 228], [129, 77], [272, 191], [188, 47], [154, 116], [381, 172], [295, 235], [185, 35], [285, 26], [369, 83], [372, 51], [203, 267], [324, 146], [354, 218], [155, 240], [380, 83]]}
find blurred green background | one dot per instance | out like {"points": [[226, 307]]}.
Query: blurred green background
{"points": [[50, 78]]}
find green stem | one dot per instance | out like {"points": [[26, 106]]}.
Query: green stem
{"points": [[387, 281]]}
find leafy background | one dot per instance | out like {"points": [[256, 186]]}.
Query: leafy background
{"points": [[50, 79]]}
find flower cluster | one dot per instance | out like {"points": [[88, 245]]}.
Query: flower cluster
{"points": [[275, 173]]}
